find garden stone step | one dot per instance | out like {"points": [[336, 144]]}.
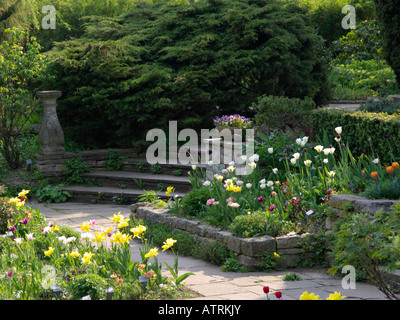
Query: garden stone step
{"points": [[103, 195], [141, 165], [130, 180]]}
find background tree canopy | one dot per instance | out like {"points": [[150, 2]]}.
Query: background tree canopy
{"points": [[189, 63]]}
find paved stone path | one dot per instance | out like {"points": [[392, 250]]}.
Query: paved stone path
{"points": [[209, 280]]}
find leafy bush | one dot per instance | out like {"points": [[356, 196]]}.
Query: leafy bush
{"points": [[180, 62], [50, 194], [371, 249], [388, 15], [364, 132], [22, 68], [87, 285], [374, 75], [282, 112], [362, 43], [383, 105], [258, 224], [74, 170], [194, 201], [114, 160], [387, 189]]}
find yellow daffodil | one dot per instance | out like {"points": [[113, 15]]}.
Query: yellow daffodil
{"points": [[54, 228], [116, 237], [309, 296], [74, 254], [276, 255], [49, 252], [23, 193], [86, 257], [137, 231], [99, 237], [168, 244], [117, 218], [124, 238], [85, 226], [153, 252], [123, 223], [169, 191], [106, 230], [335, 296]]}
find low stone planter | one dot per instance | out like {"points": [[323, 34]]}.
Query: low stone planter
{"points": [[340, 204], [248, 250]]}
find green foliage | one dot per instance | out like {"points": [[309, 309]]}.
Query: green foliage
{"points": [[114, 160], [291, 276], [326, 15], [194, 201], [386, 189], [156, 169], [22, 68], [376, 134], [385, 105], [180, 62], [367, 243], [373, 75], [362, 43], [388, 15], [21, 14], [87, 284], [259, 224], [74, 170], [51, 194], [282, 112]]}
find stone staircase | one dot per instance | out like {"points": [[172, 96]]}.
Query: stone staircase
{"points": [[135, 177]]}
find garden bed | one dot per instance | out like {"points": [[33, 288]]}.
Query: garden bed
{"points": [[250, 252]]}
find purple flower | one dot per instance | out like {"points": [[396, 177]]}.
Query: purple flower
{"points": [[271, 208], [10, 273], [260, 199], [12, 228], [24, 221]]}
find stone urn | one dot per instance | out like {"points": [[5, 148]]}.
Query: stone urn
{"points": [[51, 135]]}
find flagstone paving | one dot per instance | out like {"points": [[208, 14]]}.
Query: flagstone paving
{"points": [[209, 280]]}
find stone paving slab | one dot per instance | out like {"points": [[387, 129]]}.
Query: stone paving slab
{"points": [[209, 280]]}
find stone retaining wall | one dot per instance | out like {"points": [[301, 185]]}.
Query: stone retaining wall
{"points": [[342, 204], [247, 250], [96, 159]]}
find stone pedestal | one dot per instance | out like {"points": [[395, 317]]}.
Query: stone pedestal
{"points": [[231, 148], [51, 135]]}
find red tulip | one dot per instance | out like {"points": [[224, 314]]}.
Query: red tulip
{"points": [[266, 289], [278, 294]]}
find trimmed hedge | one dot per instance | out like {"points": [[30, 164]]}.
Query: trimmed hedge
{"points": [[376, 134]]}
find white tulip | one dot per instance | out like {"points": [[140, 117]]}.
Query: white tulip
{"points": [[275, 170], [270, 150], [319, 148], [338, 130], [293, 161], [296, 156]]}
